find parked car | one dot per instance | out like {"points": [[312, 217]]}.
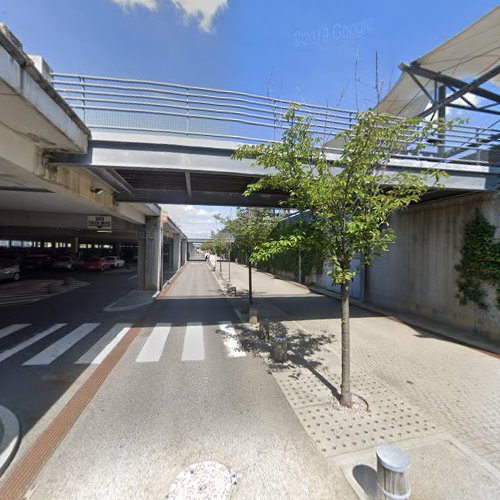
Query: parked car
{"points": [[96, 264], [36, 262], [67, 263], [115, 261], [9, 270]]}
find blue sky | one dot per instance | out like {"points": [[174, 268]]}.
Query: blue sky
{"points": [[293, 49]]}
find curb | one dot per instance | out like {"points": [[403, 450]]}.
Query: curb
{"points": [[166, 287], [10, 437], [112, 308]]}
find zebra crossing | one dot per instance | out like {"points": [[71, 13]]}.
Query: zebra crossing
{"points": [[30, 291], [153, 344]]}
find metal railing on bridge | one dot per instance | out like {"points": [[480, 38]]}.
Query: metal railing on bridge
{"points": [[139, 106]]}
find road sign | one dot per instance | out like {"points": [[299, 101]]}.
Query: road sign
{"points": [[100, 222]]}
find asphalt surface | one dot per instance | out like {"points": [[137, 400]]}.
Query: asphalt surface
{"points": [[191, 401], [35, 392]]}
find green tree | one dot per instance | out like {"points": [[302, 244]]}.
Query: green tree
{"points": [[250, 228], [349, 198], [479, 263]]}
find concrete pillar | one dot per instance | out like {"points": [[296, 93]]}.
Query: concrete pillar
{"points": [[183, 251], [170, 253], [75, 245], [117, 248], [176, 253], [150, 255]]}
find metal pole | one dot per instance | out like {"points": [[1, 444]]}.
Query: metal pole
{"points": [[229, 266], [250, 298], [442, 117], [250, 295], [300, 267]]}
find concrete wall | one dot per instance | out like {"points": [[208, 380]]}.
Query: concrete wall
{"points": [[418, 274]]}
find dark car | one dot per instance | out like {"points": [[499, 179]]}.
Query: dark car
{"points": [[36, 262], [9, 270]]}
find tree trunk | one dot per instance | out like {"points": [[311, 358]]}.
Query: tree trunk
{"points": [[250, 297], [345, 388]]}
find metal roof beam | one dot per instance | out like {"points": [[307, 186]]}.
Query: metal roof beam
{"points": [[472, 87]]}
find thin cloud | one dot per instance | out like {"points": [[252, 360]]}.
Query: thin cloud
{"points": [[196, 221], [471, 98], [151, 5], [203, 11]]}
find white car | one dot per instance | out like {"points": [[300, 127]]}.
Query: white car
{"points": [[115, 261], [67, 263]]}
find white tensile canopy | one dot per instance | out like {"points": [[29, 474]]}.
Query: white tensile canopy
{"points": [[470, 54]]}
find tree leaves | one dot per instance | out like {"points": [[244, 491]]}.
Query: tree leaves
{"points": [[349, 199]]}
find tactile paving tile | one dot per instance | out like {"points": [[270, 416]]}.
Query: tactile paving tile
{"points": [[335, 432], [302, 388]]}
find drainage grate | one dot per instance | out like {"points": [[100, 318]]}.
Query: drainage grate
{"points": [[203, 480]]}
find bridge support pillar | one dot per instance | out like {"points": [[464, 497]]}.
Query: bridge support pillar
{"points": [[177, 252], [150, 255], [183, 251]]}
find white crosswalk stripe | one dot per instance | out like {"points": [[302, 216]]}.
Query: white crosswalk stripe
{"points": [[39, 336], [231, 343], [8, 330], [151, 351], [105, 344], [154, 345], [55, 350], [194, 346]]}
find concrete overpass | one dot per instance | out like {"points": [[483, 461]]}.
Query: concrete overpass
{"points": [[170, 143]]}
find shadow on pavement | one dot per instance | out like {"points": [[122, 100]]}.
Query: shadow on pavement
{"points": [[366, 477]]}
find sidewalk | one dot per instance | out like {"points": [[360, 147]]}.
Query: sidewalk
{"points": [[436, 398]]}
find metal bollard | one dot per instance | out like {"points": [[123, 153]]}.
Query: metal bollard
{"points": [[252, 315], [68, 280], [279, 349], [264, 330], [53, 288], [393, 481]]}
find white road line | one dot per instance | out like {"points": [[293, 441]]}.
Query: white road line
{"points": [[153, 347], [194, 348], [52, 352], [231, 343], [132, 277], [12, 329], [19, 299], [39, 336], [105, 345]]}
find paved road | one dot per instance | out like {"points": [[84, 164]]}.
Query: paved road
{"points": [[42, 342], [184, 393]]}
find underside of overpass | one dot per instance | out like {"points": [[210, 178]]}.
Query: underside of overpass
{"points": [[172, 170]]}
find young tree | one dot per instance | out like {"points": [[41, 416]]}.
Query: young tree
{"points": [[349, 199], [250, 228]]}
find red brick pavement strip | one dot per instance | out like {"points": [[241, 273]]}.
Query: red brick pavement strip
{"points": [[24, 473]]}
